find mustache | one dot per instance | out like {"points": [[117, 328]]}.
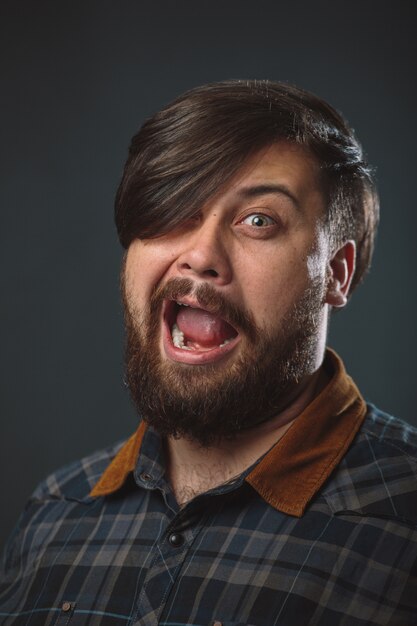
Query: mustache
{"points": [[208, 297]]}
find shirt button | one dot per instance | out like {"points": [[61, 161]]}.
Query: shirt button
{"points": [[66, 606], [176, 540], [217, 624], [146, 477]]}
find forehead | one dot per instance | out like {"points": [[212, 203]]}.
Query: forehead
{"points": [[283, 167]]}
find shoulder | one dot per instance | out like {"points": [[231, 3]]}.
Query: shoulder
{"points": [[381, 426], [75, 480], [378, 475], [56, 499]]}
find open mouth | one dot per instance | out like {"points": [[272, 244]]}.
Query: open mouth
{"points": [[195, 335]]}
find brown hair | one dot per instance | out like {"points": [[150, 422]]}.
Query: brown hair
{"points": [[190, 149]]}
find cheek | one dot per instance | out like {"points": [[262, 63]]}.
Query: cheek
{"points": [[137, 279], [316, 259], [146, 265], [271, 290]]}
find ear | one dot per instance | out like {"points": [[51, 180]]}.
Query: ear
{"points": [[340, 271]]}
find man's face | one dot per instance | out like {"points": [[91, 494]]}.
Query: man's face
{"points": [[226, 314]]}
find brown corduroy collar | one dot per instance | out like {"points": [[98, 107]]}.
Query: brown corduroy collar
{"points": [[295, 468]]}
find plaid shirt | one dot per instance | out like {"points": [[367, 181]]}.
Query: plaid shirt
{"points": [[321, 531]]}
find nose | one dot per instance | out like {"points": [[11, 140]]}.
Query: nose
{"points": [[205, 254]]}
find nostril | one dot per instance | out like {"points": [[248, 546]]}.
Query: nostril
{"points": [[207, 272], [200, 267]]}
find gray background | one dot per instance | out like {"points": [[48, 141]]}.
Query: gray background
{"points": [[78, 78]]}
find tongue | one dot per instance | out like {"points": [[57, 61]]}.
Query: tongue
{"points": [[203, 328]]}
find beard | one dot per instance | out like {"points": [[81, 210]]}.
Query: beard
{"points": [[211, 402]]}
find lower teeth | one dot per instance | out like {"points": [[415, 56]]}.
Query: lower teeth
{"points": [[178, 339]]}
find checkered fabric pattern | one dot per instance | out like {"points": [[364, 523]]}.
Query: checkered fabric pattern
{"points": [[228, 557]]}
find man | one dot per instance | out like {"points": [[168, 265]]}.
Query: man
{"points": [[259, 487]]}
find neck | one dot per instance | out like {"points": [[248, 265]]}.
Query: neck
{"points": [[193, 469]]}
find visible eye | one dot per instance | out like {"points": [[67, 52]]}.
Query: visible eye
{"points": [[259, 220]]}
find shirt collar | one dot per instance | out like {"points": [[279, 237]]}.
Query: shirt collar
{"points": [[292, 472]]}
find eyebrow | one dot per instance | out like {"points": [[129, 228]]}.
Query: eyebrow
{"points": [[266, 189]]}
